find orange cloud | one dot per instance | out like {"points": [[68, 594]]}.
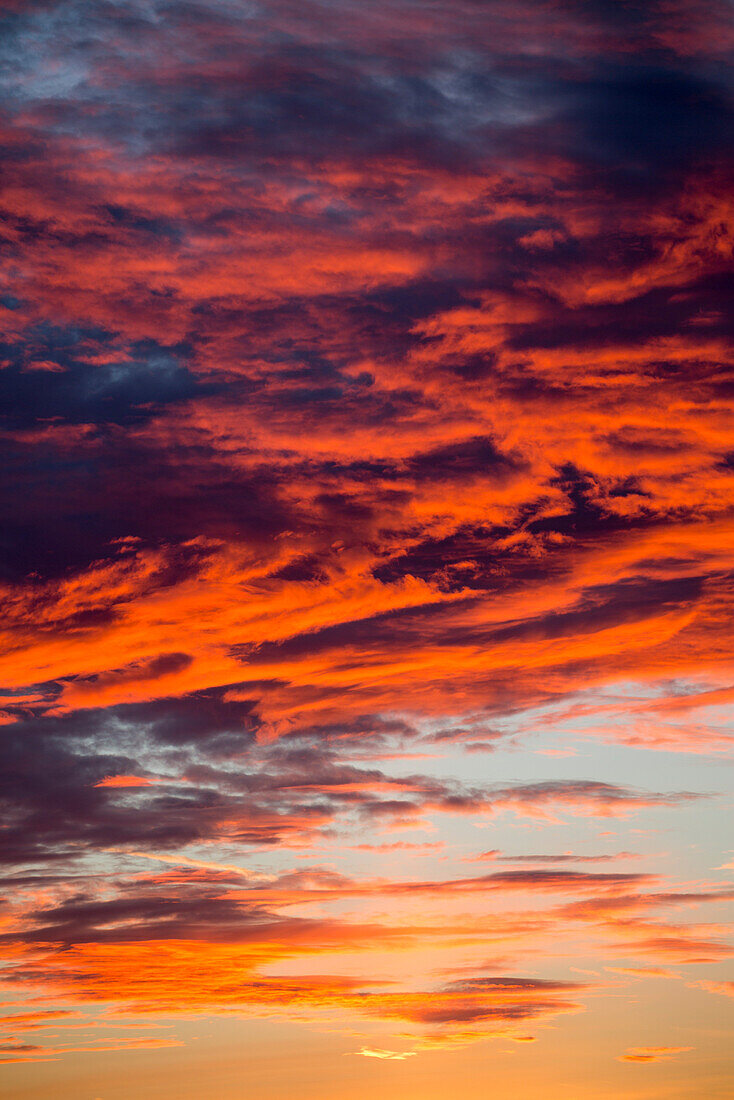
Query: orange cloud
{"points": [[127, 781], [366, 390], [651, 1054]]}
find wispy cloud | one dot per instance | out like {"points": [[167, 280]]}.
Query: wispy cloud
{"points": [[368, 545]]}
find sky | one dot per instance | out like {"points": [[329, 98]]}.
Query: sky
{"points": [[367, 555]]}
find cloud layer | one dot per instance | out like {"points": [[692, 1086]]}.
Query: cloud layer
{"points": [[365, 408]]}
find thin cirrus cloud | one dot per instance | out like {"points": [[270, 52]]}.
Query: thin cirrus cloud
{"points": [[366, 419], [652, 1054], [132, 947]]}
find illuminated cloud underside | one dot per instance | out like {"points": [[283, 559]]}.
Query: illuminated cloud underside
{"points": [[367, 562]]}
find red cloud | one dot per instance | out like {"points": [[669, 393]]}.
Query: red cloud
{"points": [[365, 390], [126, 781]]}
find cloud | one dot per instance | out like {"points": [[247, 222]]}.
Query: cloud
{"points": [[176, 778], [126, 941], [387, 1055], [125, 781], [726, 989], [652, 1054], [366, 387], [564, 857]]}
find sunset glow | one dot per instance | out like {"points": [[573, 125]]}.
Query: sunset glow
{"points": [[367, 564]]}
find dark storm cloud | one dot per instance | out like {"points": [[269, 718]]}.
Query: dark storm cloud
{"points": [[365, 383], [191, 914], [44, 382], [462, 460], [271, 95], [104, 489], [227, 786], [657, 313], [640, 119], [53, 809], [599, 607]]}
